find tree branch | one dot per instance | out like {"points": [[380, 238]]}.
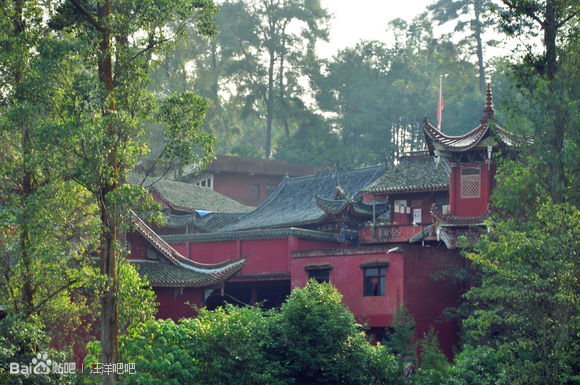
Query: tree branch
{"points": [[567, 19], [53, 294], [511, 4], [89, 16], [153, 44]]}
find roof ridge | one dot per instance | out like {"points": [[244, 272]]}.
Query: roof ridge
{"points": [[173, 255], [268, 233]]}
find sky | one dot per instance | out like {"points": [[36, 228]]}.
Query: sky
{"points": [[356, 20]]}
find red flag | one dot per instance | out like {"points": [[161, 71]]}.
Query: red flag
{"points": [[440, 106]]}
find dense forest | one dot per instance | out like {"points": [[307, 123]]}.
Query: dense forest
{"points": [[272, 96], [91, 88]]}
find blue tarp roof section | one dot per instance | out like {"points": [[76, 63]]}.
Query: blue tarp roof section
{"points": [[293, 203], [202, 213]]}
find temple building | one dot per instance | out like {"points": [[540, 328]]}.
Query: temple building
{"points": [[379, 234]]}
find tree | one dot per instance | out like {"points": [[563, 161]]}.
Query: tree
{"points": [[48, 222], [445, 11], [540, 76], [434, 366], [297, 344], [526, 308], [378, 95], [320, 337], [274, 19], [255, 62], [117, 44]]}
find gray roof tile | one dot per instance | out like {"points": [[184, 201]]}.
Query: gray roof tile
{"points": [[253, 235], [294, 202], [173, 269], [412, 173], [189, 197]]}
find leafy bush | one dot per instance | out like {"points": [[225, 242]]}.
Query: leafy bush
{"points": [[312, 339]]}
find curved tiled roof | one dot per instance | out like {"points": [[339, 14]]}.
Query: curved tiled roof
{"points": [[189, 197], [423, 234], [179, 220], [456, 220], [253, 235], [436, 140], [334, 207], [215, 221], [293, 203], [175, 268], [160, 274], [412, 173]]}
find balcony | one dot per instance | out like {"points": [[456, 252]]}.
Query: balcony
{"points": [[390, 233]]}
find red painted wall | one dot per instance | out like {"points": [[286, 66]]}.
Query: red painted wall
{"points": [[269, 256], [408, 280], [172, 301], [470, 207], [138, 246], [237, 186], [347, 276], [426, 298]]}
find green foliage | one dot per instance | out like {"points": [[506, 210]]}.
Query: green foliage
{"points": [[137, 301], [400, 340], [312, 143], [321, 337], [378, 94], [312, 339], [21, 338], [527, 306], [183, 115], [403, 333], [434, 365], [233, 345], [161, 351], [480, 365]]}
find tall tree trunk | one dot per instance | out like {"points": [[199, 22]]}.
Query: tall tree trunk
{"points": [[19, 26], [270, 104], [214, 65], [282, 91], [477, 31], [108, 253], [556, 136]]}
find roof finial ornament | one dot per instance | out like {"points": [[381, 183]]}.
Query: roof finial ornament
{"points": [[488, 110]]}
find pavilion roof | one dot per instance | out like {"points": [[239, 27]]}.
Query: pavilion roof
{"points": [[486, 133]]}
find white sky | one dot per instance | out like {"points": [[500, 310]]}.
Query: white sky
{"points": [[356, 20]]}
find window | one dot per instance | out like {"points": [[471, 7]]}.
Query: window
{"points": [[374, 281], [205, 181], [320, 275], [442, 205], [255, 192], [470, 182]]}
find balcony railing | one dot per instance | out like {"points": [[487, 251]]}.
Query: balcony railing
{"points": [[390, 233]]}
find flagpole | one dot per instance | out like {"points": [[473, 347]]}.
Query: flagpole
{"points": [[440, 104]]}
